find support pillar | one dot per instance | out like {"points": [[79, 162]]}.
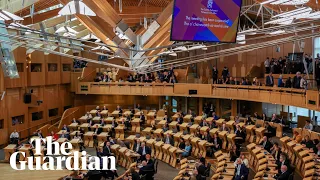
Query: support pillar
{"points": [[200, 105], [234, 107], [218, 109]]}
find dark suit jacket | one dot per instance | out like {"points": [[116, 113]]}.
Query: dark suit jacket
{"points": [[135, 146], [201, 170], [135, 176], [287, 163], [146, 170], [284, 176], [107, 151], [267, 146], [147, 150], [99, 130], [244, 171], [219, 141], [170, 140], [268, 81]]}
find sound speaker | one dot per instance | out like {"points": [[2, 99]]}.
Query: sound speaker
{"points": [[193, 92], [27, 98]]}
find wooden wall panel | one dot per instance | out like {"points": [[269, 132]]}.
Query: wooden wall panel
{"points": [[37, 78], [52, 77], [20, 57]]}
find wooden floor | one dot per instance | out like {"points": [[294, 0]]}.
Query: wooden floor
{"points": [[10, 174]]}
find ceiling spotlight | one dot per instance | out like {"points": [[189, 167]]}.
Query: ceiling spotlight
{"points": [[76, 7]]}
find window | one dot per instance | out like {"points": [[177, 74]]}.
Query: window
{"points": [[53, 112], [66, 67], [20, 67], [316, 49], [52, 67], [37, 116], [17, 120], [1, 123], [35, 67]]}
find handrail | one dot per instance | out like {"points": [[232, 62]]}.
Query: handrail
{"points": [[62, 118], [39, 124], [88, 75]]}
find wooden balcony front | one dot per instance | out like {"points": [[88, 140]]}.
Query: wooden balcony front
{"points": [[285, 96]]}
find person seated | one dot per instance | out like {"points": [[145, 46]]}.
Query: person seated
{"points": [[119, 109], [98, 108], [307, 142], [234, 153], [134, 174], [139, 107], [88, 116], [224, 127], [284, 173], [168, 139], [136, 145], [146, 170], [64, 135], [181, 144], [54, 136], [206, 136], [149, 161], [143, 150], [75, 121], [201, 167], [107, 149], [243, 159], [97, 130], [217, 143], [255, 115], [14, 137], [180, 119], [215, 117], [315, 143], [142, 117], [274, 119], [90, 124], [308, 125], [203, 123], [276, 151], [65, 128], [265, 143], [271, 131], [102, 123], [165, 127], [105, 108], [39, 134], [211, 125], [81, 143], [283, 161], [187, 150], [241, 171]]}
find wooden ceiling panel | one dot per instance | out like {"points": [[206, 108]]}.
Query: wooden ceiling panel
{"points": [[38, 6]]}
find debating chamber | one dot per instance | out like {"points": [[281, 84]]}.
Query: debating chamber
{"points": [[159, 89]]}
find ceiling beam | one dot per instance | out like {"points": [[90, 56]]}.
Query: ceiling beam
{"points": [[41, 17]]}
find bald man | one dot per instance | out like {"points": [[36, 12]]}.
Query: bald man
{"points": [[284, 175]]}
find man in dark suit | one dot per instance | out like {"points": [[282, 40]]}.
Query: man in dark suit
{"points": [[296, 80], [146, 170], [97, 130], [168, 139], [143, 150], [136, 145], [241, 171], [269, 80], [217, 143], [276, 152], [107, 149], [284, 175], [65, 128], [283, 161], [266, 144], [206, 136], [75, 121], [202, 168]]}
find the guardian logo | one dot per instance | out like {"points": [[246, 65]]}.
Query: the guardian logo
{"points": [[71, 162]]}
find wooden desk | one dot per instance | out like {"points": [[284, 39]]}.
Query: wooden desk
{"points": [[230, 125], [73, 126], [166, 155], [223, 137], [104, 113], [150, 143], [26, 149], [250, 133], [175, 117], [173, 125], [137, 114], [135, 123], [198, 119], [204, 129], [150, 117], [173, 153], [194, 128], [231, 142], [107, 128], [127, 113], [260, 133], [213, 131], [195, 147], [96, 119], [108, 120], [187, 118], [147, 132], [93, 112], [73, 133], [75, 144], [84, 126], [119, 132], [158, 149], [83, 119], [158, 133], [279, 129], [219, 122], [176, 138], [183, 127], [161, 123], [102, 137], [115, 114], [88, 139], [10, 149]]}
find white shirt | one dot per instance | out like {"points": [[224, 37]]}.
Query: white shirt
{"points": [[267, 63], [14, 135]]}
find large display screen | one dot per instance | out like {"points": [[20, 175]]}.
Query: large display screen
{"points": [[205, 20]]}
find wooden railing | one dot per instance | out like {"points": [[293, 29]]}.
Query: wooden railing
{"points": [[285, 96]]}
